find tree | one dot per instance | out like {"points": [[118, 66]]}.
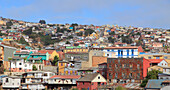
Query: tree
{"points": [[80, 34], [111, 40], [34, 68], [8, 24], [67, 42], [112, 33], [42, 22], [28, 32], [88, 32], [22, 41], [150, 75], [55, 61], [70, 37]]}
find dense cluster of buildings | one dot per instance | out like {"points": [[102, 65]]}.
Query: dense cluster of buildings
{"points": [[86, 56]]}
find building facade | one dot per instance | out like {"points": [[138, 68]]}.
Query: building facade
{"points": [[124, 70]]}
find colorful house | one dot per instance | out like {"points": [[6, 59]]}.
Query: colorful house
{"points": [[52, 53]]}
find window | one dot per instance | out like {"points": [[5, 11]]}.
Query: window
{"points": [[92, 84], [149, 57], [115, 75], [12, 83], [83, 83], [85, 57], [20, 63], [45, 74], [122, 53], [98, 83], [165, 57], [25, 65], [61, 64], [20, 68], [157, 57], [98, 77], [116, 66], [131, 65], [71, 80], [7, 80], [138, 66], [130, 75], [110, 80], [132, 52], [128, 52], [107, 54], [110, 75]]}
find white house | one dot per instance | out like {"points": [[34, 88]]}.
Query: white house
{"points": [[12, 82], [35, 80], [18, 64], [163, 63]]}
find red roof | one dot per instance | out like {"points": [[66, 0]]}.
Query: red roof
{"points": [[155, 60], [66, 76], [45, 51]]}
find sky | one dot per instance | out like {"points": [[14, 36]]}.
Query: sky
{"points": [[138, 13]]}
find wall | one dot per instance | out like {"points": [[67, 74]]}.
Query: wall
{"points": [[98, 60]]}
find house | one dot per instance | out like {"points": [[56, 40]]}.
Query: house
{"points": [[126, 70], [18, 64], [91, 81], [44, 57], [68, 67], [52, 53], [63, 82], [11, 82], [120, 52], [158, 84], [35, 79]]}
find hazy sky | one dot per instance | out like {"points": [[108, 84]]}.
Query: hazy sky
{"points": [[143, 13]]}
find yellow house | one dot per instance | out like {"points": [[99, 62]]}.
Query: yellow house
{"points": [[61, 66], [155, 68], [52, 53], [2, 22]]}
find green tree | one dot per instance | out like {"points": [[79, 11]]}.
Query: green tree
{"points": [[80, 34], [150, 75], [67, 42], [34, 68], [22, 41], [111, 40], [88, 32], [55, 61], [42, 22], [28, 32], [112, 33], [8, 24]]}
